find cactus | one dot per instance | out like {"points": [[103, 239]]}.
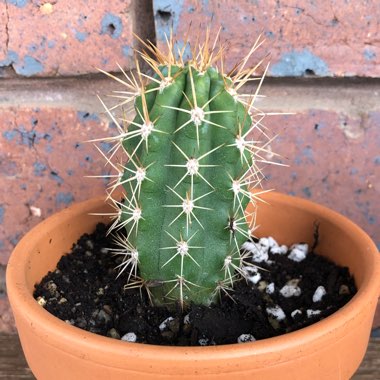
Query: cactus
{"points": [[187, 172]]}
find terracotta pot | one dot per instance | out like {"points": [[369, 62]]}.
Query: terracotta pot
{"points": [[330, 349]]}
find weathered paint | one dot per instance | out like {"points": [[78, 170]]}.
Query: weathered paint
{"points": [[111, 25], [49, 148], [105, 146], [166, 14], [28, 66], [299, 63], [22, 136], [318, 127], [56, 177], [2, 213], [12, 57], [369, 54], [127, 50], [51, 44], [10, 135], [39, 169], [32, 48], [14, 239], [27, 137], [81, 36], [307, 192], [308, 153], [84, 116], [64, 198], [18, 3], [179, 47]]}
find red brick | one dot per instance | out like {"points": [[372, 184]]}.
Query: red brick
{"points": [[328, 38], [3, 31], [7, 323], [376, 322], [69, 37], [43, 164], [333, 160]]}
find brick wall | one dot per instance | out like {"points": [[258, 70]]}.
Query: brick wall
{"points": [[325, 68]]}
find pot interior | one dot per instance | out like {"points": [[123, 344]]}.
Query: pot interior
{"points": [[288, 219]]}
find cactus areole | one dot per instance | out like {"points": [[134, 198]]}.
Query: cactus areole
{"points": [[188, 165]]}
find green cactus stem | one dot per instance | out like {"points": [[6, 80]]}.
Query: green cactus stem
{"points": [[188, 170]]}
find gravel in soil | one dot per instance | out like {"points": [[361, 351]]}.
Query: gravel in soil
{"points": [[291, 292]]}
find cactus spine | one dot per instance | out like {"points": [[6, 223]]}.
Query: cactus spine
{"points": [[188, 169]]}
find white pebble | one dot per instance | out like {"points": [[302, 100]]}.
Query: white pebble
{"points": [[203, 341], [290, 290], [129, 337], [295, 312], [186, 319], [255, 278], [276, 312], [259, 253], [248, 246], [270, 288], [344, 289], [164, 324], [264, 242], [272, 242], [319, 293], [298, 252], [251, 273], [279, 250], [41, 301], [249, 269], [310, 312], [244, 338], [35, 211]]}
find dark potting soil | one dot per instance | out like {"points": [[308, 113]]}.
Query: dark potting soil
{"points": [[85, 291]]}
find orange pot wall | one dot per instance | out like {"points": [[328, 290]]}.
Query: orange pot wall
{"points": [[330, 349]]}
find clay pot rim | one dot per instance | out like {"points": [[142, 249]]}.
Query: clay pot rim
{"points": [[48, 324]]}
